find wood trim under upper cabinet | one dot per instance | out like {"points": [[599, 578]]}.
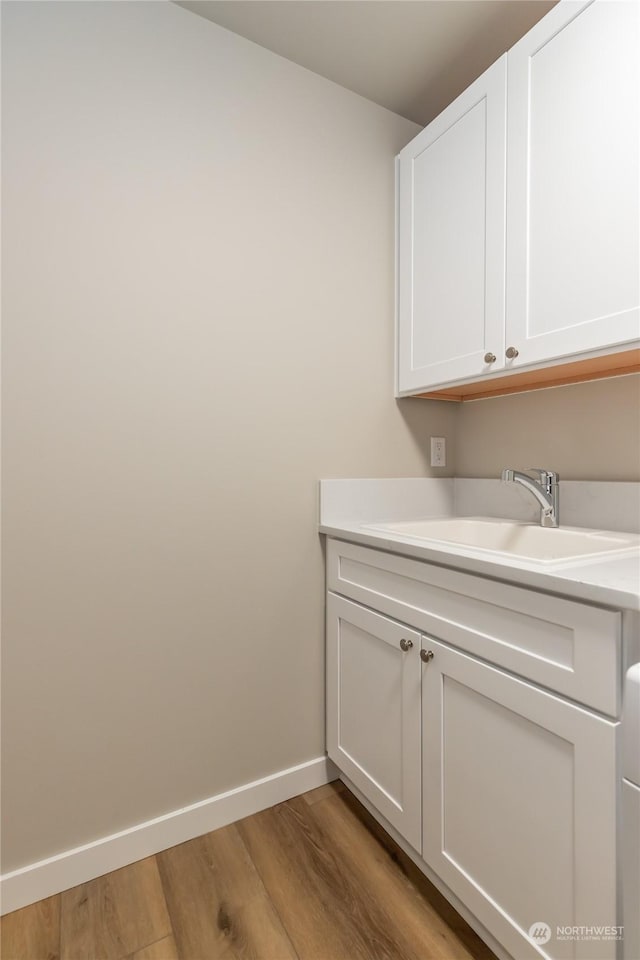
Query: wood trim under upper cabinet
{"points": [[594, 368]]}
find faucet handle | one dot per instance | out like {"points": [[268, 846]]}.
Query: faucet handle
{"points": [[545, 474]]}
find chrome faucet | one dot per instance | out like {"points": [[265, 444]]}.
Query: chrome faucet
{"points": [[546, 490]]}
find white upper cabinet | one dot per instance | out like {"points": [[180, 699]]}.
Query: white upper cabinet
{"points": [[573, 254], [451, 239], [555, 126]]}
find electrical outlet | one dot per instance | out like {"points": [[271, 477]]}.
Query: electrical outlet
{"points": [[438, 451]]}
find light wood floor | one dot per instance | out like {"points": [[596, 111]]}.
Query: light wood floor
{"points": [[314, 878]]}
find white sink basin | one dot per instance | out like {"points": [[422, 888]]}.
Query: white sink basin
{"points": [[526, 541]]}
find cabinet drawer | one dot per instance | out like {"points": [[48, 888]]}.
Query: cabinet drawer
{"points": [[566, 646]]}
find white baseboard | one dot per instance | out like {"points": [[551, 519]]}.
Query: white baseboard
{"points": [[47, 877]]}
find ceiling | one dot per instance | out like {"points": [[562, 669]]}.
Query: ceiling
{"points": [[411, 56]]}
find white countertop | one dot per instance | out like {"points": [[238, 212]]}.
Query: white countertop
{"points": [[613, 581]]}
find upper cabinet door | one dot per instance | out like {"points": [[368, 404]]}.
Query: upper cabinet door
{"points": [[573, 223], [451, 209]]}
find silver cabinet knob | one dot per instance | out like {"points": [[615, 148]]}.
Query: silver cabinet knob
{"points": [[426, 656], [511, 353], [406, 644], [490, 358]]}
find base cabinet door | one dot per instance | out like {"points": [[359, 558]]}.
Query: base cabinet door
{"points": [[631, 869], [374, 710], [519, 807]]}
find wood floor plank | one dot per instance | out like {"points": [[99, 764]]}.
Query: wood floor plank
{"points": [[218, 905], [258, 933], [115, 915], [32, 933], [321, 793], [415, 918], [466, 935], [161, 950], [323, 907], [315, 878]]}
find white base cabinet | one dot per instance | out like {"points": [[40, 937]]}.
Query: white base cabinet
{"points": [[507, 790]]}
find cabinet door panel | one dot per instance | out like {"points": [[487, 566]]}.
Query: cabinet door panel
{"points": [[519, 805], [373, 710], [573, 208], [631, 868], [451, 239]]}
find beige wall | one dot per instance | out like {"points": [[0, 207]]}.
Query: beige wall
{"points": [[197, 304], [588, 431], [198, 293]]}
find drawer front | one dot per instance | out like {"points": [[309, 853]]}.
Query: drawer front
{"points": [[569, 647]]}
